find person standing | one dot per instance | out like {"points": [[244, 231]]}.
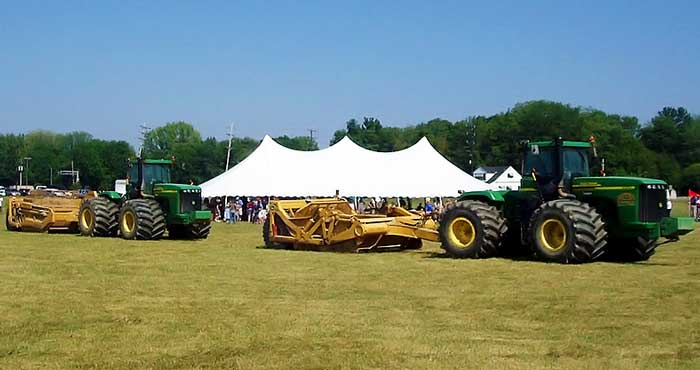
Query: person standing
{"points": [[429, 208], [227, 213], [693, 206], [251, 210]]}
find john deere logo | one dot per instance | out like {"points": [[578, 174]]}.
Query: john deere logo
{"points": [[625, 199]]}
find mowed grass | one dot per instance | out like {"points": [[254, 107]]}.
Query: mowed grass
{"points": [[69, 302]]}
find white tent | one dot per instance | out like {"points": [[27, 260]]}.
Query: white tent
{"points": [[272, 169]]}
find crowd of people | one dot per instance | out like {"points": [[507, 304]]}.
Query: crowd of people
{"points": [[235, 209]]}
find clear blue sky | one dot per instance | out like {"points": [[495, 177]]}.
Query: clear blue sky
{"points": [[286, 66]]}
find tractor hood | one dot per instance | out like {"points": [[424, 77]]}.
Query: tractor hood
{"points": [[606, 181], [176, 187]]}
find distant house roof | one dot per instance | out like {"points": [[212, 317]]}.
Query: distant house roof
{"points": [[492, 169], [498, 174]]}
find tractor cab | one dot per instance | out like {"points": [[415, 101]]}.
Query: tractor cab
{"points": [[551, 166], [145, 174]]}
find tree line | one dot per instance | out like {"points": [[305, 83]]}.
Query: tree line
{"points": [[101, 162], [666, 147]]}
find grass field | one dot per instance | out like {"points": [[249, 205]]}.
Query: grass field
{"points": [[68, 302]]}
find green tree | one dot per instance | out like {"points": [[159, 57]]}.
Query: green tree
{"points": [[691, 177], [11, 153], [305, 143]]}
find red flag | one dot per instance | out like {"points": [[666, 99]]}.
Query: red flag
{"points": [[692, 193]]}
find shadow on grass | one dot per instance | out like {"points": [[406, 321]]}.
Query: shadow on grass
{"points": [[515, 257], [276, 247], [528, 258]]}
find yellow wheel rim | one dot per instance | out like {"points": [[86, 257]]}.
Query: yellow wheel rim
{"points": [[86, 219], [128, 221], [461, 232], [552, 234]]}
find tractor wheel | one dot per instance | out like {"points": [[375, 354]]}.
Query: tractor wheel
{"points": [[567, 231], [198, 231], [632, 249], [472, 229], [141, 219], [98, 217]]}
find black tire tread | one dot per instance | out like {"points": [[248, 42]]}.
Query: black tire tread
{"points": [[643, 250], [150, 219], [198, 231], [105, 214], [494, 227], [590, 234]]}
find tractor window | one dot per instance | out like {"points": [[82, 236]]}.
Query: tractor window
{"points": [[575, 163], [154, 174], [543, 162]]}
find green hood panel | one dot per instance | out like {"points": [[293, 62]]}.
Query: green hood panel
{"points": [[168, 186], [600, 181]]}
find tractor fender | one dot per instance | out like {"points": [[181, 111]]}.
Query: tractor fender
{"points": [[491, 197], [111, 195]]}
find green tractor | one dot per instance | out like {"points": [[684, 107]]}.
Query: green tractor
{"points": [[562, 213], [150, 206]]}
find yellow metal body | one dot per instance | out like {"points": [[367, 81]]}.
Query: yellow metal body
{"points": [[42, 211], [331, 224]]}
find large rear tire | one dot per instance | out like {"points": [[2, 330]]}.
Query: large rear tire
{"points": [[141, 219], [567, 231], [98, 217], [472, 229]]}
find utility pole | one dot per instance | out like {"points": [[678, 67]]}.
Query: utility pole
{"points": [[228, 157], [26, 176], [471, 145], [311, 133], [51, 176], [144, 131], [228, 152]]}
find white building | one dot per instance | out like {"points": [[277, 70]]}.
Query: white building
{"points": [[500, 177]]}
